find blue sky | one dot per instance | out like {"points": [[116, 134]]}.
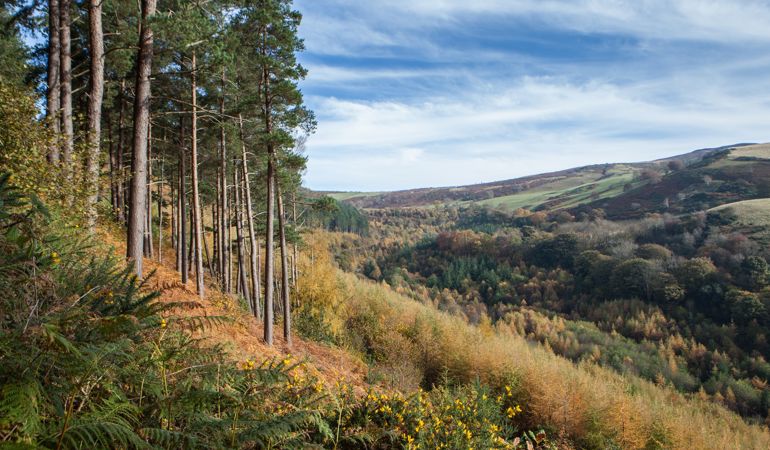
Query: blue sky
{"points": [[418, 93]]}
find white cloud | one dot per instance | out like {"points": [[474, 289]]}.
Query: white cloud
{"points": [[692, 75], [536, 125]]}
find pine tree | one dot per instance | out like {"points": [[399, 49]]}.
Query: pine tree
{"points": [[53, 93], [95, 95], [138, 208]]}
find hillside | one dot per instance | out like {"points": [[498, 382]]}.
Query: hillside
{"points": [[724, 176], [620, 189]]}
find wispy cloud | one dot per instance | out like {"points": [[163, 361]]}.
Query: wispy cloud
{"points": [[449, 92]]}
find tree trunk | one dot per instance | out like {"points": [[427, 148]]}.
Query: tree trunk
{"points": [[229, 242], [224, 257], [96, 48], [206, 252], [269, 257], [191, 243], [182, 200], [141, 122], [65, 73], [196, 194], [119, 156], [53, 95], [242, 280], [215, 235], [285, 297], [148, 250], [113, 166], [294, 259], [254, 266], [174, 225], [160, 213]]}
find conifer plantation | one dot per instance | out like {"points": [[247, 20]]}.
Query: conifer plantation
{"points": [[167, 281]]}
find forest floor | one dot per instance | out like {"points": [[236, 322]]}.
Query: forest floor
{"points": [[241, 334]]}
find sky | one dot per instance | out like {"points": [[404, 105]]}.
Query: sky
{"points": [[421, 93]]}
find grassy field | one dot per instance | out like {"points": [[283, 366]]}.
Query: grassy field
{"points": [[569, 191], [752, 213], [342, 196], [751, 151]]}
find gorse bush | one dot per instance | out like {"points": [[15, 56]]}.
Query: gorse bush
{"points": [[458, 417]]}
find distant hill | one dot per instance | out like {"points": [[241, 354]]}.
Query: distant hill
{"points": [[700, 179], [721, 176]]}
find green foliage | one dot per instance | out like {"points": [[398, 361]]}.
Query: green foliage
{"points": [[89, 359], [676, 300], [13, 54], [333, 215]]}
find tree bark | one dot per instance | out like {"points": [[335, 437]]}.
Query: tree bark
{"points": [[148, 247], [224, 257], [242, 280], [215, 235], [295, 268], [285, 296], [254, 266], [160, 212], [270, 208], [141, 122], [182, 201], [113, 167], [196, 194], [65, 67], [119, 156], [53, 95], [96, 47], [269, 257]]}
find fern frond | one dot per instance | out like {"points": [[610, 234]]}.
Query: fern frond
{"points": [[279, 429], [19, 407], [169, 439]]}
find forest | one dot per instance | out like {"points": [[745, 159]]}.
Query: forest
{"points": [[678, 300], [156, 229]]}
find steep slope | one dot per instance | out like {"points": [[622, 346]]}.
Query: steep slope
{"points": [[241, 335]]}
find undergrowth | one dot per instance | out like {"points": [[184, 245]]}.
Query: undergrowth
{"points": [[90, 359]]}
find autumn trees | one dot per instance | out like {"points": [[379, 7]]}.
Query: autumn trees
{"points": [[184, 116]]}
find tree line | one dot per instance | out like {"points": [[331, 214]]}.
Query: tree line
{"points": [[183, 116]]}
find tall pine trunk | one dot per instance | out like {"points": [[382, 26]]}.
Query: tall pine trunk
{"points": [[160, 211], [95, 95], [285, 297], [224, 246], [65, 68], [196, 195], [181, 249], [295, 256], [242, 278], [53, 94], [269, 250], [254, 254], [141, 121], [120, 152], [113, 165], [148, 246], [270, 207]]}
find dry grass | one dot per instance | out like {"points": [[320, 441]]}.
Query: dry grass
{"points": [[585, 403], [751, 151]]}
